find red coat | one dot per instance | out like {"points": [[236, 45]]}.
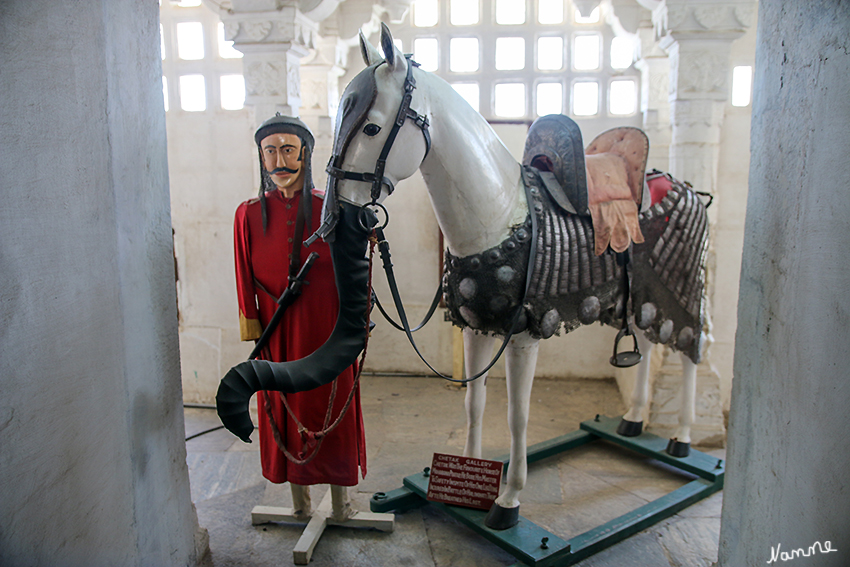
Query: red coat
{"points": [[305, 326]]}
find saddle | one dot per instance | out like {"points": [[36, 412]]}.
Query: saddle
{"points": [[604, 182]]}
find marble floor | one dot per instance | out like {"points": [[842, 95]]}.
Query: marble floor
{"points": [[407, 420]]}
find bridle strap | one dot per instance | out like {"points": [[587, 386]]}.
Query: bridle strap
{"points": [[365, 177], [377, 178]]}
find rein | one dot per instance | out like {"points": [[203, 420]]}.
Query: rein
{"points": [[434, 303], [384, 248]]}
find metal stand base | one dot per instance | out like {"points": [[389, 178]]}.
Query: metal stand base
{"points": [[533, 545]]}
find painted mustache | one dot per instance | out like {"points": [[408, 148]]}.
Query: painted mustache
{"points": [[282, 170]]}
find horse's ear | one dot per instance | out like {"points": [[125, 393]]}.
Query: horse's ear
{"points": [[370, 53], [395, 58]]}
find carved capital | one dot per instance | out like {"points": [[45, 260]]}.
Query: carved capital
{"points": [[279, 77], [699, 73], [715, 19], [266, 78], [253, 31], [396, 9], [263, 31]]}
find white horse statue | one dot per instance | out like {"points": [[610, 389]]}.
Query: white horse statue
{"points": [[395, 118]]}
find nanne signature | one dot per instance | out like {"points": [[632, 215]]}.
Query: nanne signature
{"points": [[776, 554]]}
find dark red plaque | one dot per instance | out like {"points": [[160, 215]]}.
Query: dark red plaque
{"points": [[464, 481]]}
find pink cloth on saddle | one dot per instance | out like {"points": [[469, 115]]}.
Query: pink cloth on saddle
{"points": [[615, 163]]}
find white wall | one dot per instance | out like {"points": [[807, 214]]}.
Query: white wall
{"points": [[788, 445], [92, 465], [212, 164]]}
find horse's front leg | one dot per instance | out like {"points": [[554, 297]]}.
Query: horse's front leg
{"points": [[632, 423], [519, 368], [477, 350]]}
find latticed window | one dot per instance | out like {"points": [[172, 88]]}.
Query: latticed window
{"points": [[201, 70], [515, 60]]}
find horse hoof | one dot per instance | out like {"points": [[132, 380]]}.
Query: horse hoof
{"points": [[677, 449], [499, 518], [630, 428]]}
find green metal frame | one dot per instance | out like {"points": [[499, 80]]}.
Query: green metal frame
{"points": [[533, 545]]}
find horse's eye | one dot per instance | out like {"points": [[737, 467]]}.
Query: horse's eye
{"points": [[371, 129]]}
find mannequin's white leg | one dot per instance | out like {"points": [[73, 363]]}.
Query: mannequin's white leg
{"points": [[302, 507], [341, 509]]}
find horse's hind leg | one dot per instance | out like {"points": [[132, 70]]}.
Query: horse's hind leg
{"points": [[520, 362], [478, 350], [632, 423], [680, 443]]}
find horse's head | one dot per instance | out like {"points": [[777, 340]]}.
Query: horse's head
{"points": [[379, 138]]}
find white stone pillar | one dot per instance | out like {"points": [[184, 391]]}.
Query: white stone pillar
{"points": [[654, 69], [274, 36], [697, 36], [786, 475], [93, 468], [320, 87]]}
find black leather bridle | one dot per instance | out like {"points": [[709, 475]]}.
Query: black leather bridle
{"points": [[377, 178]]}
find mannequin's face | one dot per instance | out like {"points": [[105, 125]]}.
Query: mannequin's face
{"points": [[282, 159]]}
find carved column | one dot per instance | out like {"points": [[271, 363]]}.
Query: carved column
{"points": [[320, 87], [274, 35], [697, 36], [634, 21], [654, 68]]}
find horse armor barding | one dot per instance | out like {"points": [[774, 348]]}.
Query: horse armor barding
{"points": [[571, 286]]}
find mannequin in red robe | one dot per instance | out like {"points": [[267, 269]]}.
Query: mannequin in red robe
{"points": [[268, 251]]}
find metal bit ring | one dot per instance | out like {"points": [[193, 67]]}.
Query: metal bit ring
{"points": [[361, 217]]}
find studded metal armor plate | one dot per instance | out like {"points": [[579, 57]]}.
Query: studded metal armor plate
{"points": [[571, 286]]}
